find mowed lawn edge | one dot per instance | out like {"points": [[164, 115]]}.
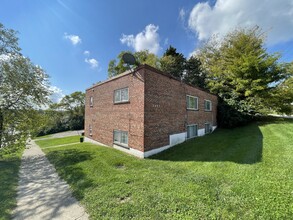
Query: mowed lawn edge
{"points": [[242, 173], [51, 142]]}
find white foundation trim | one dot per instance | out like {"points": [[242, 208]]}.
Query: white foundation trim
{"points": [[86, 139], [174, 139], [129, 150], [200, 132]]}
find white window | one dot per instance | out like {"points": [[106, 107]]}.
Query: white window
{"points": [[191, 131], [121, 137], [207, 105], [91, 130], [192, 102], [207, 128], [91, 101], [121, 95]]}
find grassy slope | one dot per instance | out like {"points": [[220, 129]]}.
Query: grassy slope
{"points": [[245, 173], [57, 141], [9, 167]]}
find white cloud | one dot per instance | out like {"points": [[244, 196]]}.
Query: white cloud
{"points": [[86, 52], [148, 39], [74, 39], [92, 62], [57, 94], [182, 14], [273, 16]]}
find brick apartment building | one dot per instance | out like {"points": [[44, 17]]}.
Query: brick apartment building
{"points": [[146, 111]]}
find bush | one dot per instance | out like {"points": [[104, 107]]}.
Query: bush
{"points": [[229, 117]]}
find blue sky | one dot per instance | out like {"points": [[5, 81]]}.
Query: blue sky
{"points": [[56, 34]]}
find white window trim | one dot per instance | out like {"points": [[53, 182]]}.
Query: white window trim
{"points": [[91, 130], [196, 102], [120, 95], [208, 110], [210, 127], [119, 143], [91, 101], [187, 131]]}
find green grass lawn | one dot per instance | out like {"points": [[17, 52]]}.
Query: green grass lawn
{"points": [[45, 136], [9, 167], [58, 141], [244, 173]]}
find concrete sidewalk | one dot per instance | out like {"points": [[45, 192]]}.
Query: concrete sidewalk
{"points": [[41, 193]]}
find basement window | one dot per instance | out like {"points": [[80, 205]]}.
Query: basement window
{"points": [[91, 130], [192, 102], [121, 138], [91, 101], [207, 128], [191, 131], [121, 95], [207, 105]]}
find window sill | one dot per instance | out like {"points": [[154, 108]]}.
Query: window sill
{"points": [[118, 103], [207, 110], [192, 109]]}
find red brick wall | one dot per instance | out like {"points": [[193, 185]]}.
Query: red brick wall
{"points": [[156, 109], [105, 116], [165, 109]]}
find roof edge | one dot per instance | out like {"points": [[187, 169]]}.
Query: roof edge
{"points": [[146, 66]]}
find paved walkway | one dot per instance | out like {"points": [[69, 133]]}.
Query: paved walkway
{"points": [[41, 193]]}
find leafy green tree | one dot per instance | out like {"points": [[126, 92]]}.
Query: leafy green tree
{"points": [[194, 74], [281, 99], [23, 87], [173, 62], [118, 66], [241, 71], [66, 115], [74, 105]]}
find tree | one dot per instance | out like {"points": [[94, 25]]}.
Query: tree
{"points": [[23, 87], [74, 105], [173, 62], [241, 71], [194, 74], [142, 57], [66, 115]]}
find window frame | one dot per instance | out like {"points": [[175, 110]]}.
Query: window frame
{"points": [[119, 142], [90, 130], [120, 96], [196, 135], [187, 102], [91, 101], [206, 101], [210, 128]]}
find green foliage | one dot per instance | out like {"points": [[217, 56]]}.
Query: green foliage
{"points": [[280, 100], [173, 62], [142, 57], [242, 173], [194, 74], [66, 115], [23, 87], [241, 71]]}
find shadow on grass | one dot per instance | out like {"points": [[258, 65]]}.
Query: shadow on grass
{"points": [[66, 163], [8, 183], [241, 145]]}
